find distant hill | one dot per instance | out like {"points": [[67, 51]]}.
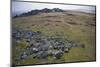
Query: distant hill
{"points": [[35, 12]]}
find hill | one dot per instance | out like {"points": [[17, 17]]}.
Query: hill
{"points": [[78, 27]]}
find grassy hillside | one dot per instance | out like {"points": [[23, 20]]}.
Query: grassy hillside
{"points": [[74, 26]]}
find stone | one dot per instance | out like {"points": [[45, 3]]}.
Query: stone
{"points": [[49, 52], [42, 54], [66, 50], [35, 50], [23, 56], [58, 54]]}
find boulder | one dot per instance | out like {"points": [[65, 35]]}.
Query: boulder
{"points": [[42, 55], [58, 54], [35, 50]]}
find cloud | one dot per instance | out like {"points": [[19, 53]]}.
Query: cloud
{"points": [[25, 7]]}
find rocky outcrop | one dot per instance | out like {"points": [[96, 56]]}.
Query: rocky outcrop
{"points": [[35, 12]]}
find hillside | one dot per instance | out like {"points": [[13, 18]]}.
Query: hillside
{"points": [[77, 27]]}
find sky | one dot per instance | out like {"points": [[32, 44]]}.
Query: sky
{"points": [[21, 7]]}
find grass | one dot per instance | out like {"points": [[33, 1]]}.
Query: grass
{"points": [[79, 28]]}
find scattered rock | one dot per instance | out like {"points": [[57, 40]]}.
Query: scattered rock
{"points": [[41, 48]]}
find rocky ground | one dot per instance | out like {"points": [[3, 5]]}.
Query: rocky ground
{"points": [[40, 47]]}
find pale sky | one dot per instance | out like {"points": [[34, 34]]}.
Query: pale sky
{"points": [[20, 7]]}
